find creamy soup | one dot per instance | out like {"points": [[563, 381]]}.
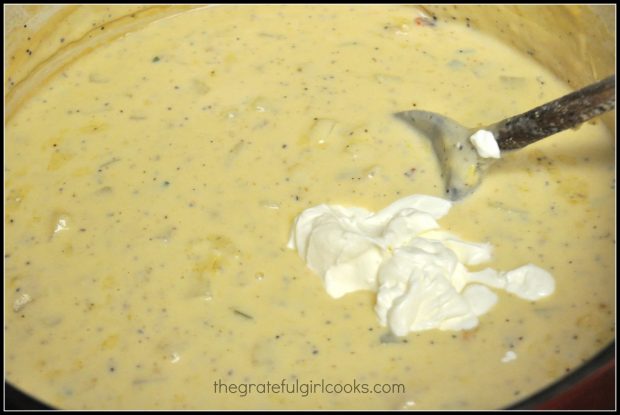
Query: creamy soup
{"points": [[151, 186]]}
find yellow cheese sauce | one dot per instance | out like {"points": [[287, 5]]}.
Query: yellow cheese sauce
{"points": [[151, 187]]}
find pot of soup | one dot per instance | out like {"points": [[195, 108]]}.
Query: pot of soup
{"points": [[215, 208]]}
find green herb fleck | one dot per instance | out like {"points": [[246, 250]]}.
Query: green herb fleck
{"points": [[242, 314]]}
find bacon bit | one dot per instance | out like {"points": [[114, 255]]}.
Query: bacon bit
{"points": [[424, 21], [469, 334], [409, 173]]}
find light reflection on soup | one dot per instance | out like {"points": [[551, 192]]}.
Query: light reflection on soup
{"points": [[151, 186]]}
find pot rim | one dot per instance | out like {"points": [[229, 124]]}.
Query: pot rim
{"points": [[556, 393]]}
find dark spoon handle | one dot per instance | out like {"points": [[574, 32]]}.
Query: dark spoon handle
{"points": [[555, 116]]}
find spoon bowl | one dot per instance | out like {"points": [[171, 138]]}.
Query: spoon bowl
{"points": [[461, 165]]}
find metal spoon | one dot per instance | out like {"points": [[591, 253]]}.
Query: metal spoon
{"points": [[462, 168]]}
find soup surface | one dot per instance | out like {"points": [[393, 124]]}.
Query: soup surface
{"points": [[151, 187]]}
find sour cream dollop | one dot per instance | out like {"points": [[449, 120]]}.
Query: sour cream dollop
{"points": [[418, 271], [485, 144]]}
